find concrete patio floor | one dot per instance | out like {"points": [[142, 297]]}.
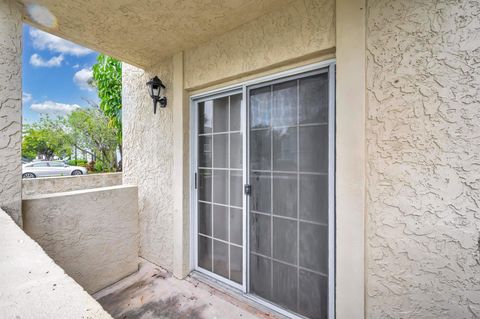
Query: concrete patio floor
{"points": [[153, 292]]}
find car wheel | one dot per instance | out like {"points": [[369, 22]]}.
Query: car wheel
{"points": [[28, 175], [77, 172]]}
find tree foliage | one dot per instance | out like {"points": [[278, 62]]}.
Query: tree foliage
{"points": [[90, 130], [86, 129], [107, 75], [47, 137]]}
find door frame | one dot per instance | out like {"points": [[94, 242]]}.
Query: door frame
{"points": [[244, 87], [194, 180]]}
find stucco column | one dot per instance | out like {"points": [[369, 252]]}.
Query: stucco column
{"points": [[10, 108], [148, 158]]}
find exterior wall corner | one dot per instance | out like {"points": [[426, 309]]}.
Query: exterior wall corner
{"points": [[11, 108], [148, 159]]}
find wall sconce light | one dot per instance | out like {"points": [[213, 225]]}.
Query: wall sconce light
{"points": [[157, 93]]}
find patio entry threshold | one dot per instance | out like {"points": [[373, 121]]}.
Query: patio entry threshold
{"points": [[153, 293]]}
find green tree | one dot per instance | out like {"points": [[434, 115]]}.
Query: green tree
{"points": [[107, 75], [47, 137], [90, 130]]}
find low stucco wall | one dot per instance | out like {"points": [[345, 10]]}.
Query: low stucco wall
{"points": [[48, 185], [33, 286], [92, 234]]}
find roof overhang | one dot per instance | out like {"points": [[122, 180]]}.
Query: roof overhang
{"points": [[142, 32]]}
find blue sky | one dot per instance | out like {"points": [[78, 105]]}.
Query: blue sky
{"points": [[55, 75]]}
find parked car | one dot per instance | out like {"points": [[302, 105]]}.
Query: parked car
{"points": [[50, 168]]}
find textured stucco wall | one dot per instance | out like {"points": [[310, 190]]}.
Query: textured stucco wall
{"points": [[48, 185], [33, 286], [10, 108], [145, 32], [92, 234], [423, 152], [152, 142], [148, 160], [303, 28]]}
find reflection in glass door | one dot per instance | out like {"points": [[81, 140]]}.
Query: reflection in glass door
{"points": [[289, 203], [220, 187]]}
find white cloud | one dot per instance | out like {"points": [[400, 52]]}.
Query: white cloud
{"points": [[45, 41], [82, 79], [54, 108], [76, 66], [38, 61], [26, 97]]}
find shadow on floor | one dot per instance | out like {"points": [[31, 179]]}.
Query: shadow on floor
{"points": [[152, 293]]}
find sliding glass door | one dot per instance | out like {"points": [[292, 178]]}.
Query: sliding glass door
{"points": [[264, 182], [219, 180], [289, 207]]}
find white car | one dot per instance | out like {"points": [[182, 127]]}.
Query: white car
{"points": [[50, 168]]}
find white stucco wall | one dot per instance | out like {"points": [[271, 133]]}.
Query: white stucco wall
{"points": [[33, 286], [423, 154], [48, 185], [92, 234], [301, 28], [10, 108], [148, 160]]}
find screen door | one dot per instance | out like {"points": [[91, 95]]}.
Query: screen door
{"points": [[220, 187], [289, 176]]}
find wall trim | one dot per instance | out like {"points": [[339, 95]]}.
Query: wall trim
{"points": [[351, 160], [286, 65], [181, 213]]}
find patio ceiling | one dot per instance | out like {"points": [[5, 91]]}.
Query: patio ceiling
{"points": [[142, 32]]}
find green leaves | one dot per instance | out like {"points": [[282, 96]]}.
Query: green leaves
{"points": [[85, 128], [47, 137], [90, 131], [107, 75]]}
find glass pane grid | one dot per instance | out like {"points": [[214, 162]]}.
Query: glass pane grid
{"points": [[296, 162], [220, 240], [221, 169], [289, 264], [218, 204], [217, 165], [287, 172], [217, 133], [290, 218], [284, 126]]}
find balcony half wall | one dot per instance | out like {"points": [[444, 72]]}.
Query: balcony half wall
{"points": [[92, 233], [33, 286]]}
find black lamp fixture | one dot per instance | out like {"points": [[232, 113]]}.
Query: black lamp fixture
{"points": [[157, 93]]}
